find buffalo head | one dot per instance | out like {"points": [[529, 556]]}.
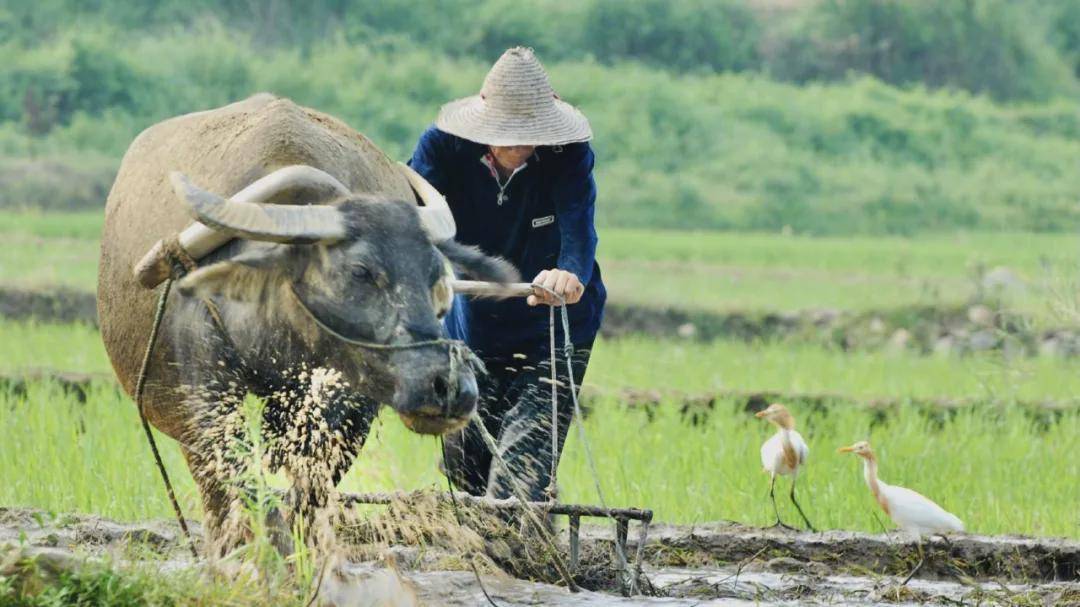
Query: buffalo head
{"points": [[364, 280]]}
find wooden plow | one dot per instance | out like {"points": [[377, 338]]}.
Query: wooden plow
{"points": [[628, 572]]}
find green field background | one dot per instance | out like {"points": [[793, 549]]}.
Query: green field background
{"points": [[745, 164]]}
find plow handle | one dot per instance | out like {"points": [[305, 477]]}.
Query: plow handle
{"points": [[476, 288]]}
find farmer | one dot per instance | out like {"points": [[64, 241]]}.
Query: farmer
{"points": [[516, 169]]}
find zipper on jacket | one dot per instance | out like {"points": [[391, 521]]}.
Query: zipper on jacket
{"points": [[502, 195]]}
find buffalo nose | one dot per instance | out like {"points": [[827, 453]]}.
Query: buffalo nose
{"points": [[440, 388]]}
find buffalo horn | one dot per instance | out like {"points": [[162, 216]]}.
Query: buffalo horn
{"points": [[254, 221], [435, 215], [292, 184]]}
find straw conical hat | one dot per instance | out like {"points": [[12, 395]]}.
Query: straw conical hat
{"points": [[516, 106]]}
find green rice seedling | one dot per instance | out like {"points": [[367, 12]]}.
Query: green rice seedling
{"points": [[710, 271], [80, 225], [64, 455], [640, 362], [43, 346], [29, 261], [999, 472]]}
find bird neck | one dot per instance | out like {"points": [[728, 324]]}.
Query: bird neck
{"points": [[785, 437], [870, 474]]}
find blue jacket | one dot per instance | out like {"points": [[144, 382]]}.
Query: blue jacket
{"points": [[541, 218]]}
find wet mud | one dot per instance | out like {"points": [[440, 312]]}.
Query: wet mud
{"points": [[715, 564]]}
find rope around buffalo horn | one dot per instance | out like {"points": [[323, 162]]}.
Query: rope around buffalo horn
{"points": [[179, 260]]}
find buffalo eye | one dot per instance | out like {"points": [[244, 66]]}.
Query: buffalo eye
{"points": [[362, 273]]}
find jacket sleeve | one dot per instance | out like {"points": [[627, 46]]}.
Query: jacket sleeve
{"points": [[432, 158], [575, 205]]}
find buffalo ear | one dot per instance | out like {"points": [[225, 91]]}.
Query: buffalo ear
{"points": [[249, 276], [470, 262]]}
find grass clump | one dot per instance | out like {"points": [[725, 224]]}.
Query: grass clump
{"points": [[27, 580]]}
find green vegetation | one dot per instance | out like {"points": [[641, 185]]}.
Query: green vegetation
{"points": [[1011, 49], [722, 365], [710, 271], [64, 455], [39, 263], [84, 225], [746, 162], [738, 271], [115, 583], [701, 149], [92, 457], [60, 347], [117, 587], [693, 367]]}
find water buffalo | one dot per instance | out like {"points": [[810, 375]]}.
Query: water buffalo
{"points": [[324, 309]]}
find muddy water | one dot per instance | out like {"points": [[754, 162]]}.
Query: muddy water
{"points": [[716, 565], [719, 587], [760, 584]]}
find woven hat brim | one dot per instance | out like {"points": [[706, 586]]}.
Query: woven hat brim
{"points": [[471, 118]]}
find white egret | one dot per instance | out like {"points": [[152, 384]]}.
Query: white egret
{"points": [[784, 453], [912, 512]]}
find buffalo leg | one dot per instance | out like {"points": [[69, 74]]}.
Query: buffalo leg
{"points": [[318, 462], [221, 534]]}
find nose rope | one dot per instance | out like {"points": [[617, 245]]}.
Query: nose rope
{"points": [[369, 345]]}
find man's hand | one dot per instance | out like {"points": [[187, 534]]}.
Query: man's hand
{"points": [[562, 282]]}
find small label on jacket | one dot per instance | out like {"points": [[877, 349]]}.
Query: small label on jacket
{"points": [[540, 222]]}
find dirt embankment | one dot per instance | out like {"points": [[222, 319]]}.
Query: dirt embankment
{"points": [[713, 564], [921, 329], [57, 305], [696, 409]]}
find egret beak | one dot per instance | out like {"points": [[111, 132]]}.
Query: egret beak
{"points": [[760, 414], [845, 449]]}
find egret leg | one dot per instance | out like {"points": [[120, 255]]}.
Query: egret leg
{"points": [[772, 496], [922, 559], [798, 507]]}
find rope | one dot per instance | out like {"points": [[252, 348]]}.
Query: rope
{"points": [[568, 354], [140, 386], [568, 351], [552, 489], [367, 344], [175, 253]]}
